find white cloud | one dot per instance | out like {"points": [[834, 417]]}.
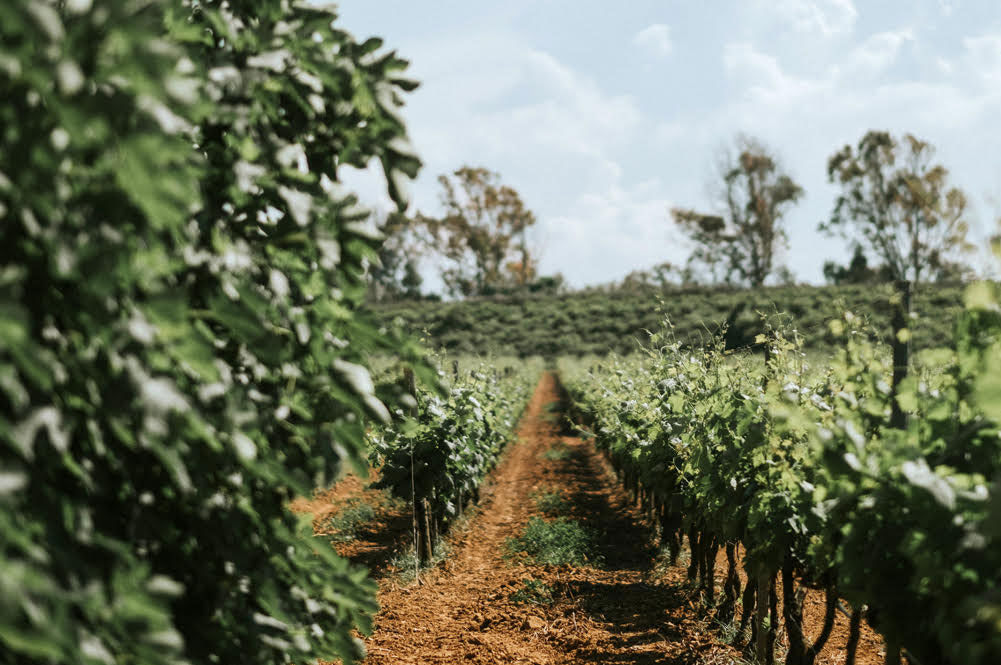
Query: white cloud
{"points": [[948, 6], [577, 109], [878, 52], [550, 131], [489, 96], [667, 132], [606, 234], [762, 78], [655, 39], [743, 62], [984, 56], [823, 17], [808, 116]]}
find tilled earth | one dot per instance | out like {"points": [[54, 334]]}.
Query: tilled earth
{"points": [[484, 606]]}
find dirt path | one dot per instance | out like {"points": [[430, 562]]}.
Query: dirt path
{"points": [[621, 613]]}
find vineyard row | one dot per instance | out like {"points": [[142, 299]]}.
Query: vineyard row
{"points": [[800, 466]]}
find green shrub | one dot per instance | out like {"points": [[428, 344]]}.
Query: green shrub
{"points": [[406, 565], [353, 514], [456, 439], [560, 541], [603, 322]]}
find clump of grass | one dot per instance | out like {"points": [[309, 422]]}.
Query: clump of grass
{"points": [[533, 592], [728, 631], [557, 453], [347, 520], [406, 565], [553, 412], [385, 501], [557, 542], [551, 502]]}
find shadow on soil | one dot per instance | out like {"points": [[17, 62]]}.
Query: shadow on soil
{"points": [[376, 543], [637, 614], [624, 543]]}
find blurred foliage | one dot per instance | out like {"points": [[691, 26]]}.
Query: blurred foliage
{"points": [[181, 348]]}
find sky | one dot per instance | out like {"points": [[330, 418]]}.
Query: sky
{"points": [[605, 115]]}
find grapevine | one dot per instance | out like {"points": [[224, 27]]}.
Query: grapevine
{"points": [[800, 466], [181, 346]]}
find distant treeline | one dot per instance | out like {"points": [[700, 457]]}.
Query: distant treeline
{"points": [[599, 322]]}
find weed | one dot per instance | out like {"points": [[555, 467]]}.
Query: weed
{"points": [[550, 502], [557, 453], [405, 562], [347, 520], [729, 631], [560, 541], [533, 592], [553, 413]]}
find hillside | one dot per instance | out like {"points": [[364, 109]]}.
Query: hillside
{"points": [[594, 322]]}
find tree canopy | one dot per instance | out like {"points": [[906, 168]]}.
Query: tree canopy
{"points": [[742, 242], [483, 234], [396, 271], [898, 205]]}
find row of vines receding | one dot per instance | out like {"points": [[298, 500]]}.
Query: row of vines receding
{"points": [[438, 458], [805, 468]]}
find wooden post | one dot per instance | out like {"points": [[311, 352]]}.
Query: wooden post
{"points": [[424, 545], [410, 385], [892, 652], [747, 605], [694, 551], [731, 586], [854, 632], [422, 530], [434, 527], [792, 606], [773, 623], [760, 612], [901, 349], [709, 552]]}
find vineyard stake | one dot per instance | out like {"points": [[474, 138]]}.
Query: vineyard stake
{"points": [[854, 633], [760, 612], [420, 525], [901, 350]]}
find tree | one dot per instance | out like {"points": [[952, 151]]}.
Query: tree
{"points": [[899, 204], [743, 241], [396, 274], [483, 234], [663, 276], [858, 271]]}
